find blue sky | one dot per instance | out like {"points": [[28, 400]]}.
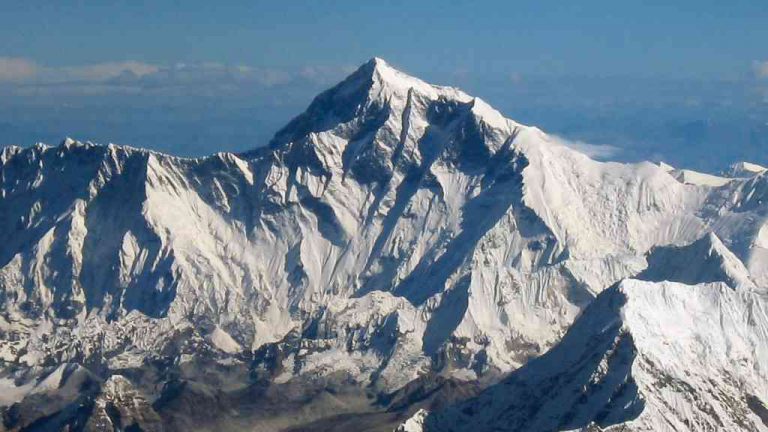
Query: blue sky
{"points": [[683, 38], [655, 79]]}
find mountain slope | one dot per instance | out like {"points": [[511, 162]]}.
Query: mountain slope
{"points": [[648, 356]]}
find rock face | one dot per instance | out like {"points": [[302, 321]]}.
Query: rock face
{"points": [[71, 398], [393, 230]]}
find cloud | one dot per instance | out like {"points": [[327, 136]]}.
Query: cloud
{"points": [[100, 72], [461, 74], [325, 74], [15, 69], [24, 76], [21, 70], [594, 151], [761, 68]]}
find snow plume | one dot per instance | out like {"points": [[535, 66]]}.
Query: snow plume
{"points": [[594, 151]]}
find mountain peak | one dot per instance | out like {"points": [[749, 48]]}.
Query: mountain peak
{"points": [[383, 74], [706, 260], [365, 92], [378, 62], [377, 67]]}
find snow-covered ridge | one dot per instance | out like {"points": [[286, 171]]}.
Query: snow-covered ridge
{"points": [[644, 356], [700, 179], [404, 83], [706, 260]]}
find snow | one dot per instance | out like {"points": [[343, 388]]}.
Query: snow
{"points": [[658, 356], [744, 170], [400, 82], [700, 179], [706, 335], [414, 423], [705, 260], [223, 341]]}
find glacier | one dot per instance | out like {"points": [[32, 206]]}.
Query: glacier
{"points": [[394, 233]]}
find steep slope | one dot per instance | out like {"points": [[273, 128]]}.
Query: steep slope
{"points": [[737, 214], [644, 356]]}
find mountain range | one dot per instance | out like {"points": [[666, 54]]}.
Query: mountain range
{"points": [[399, 256]]}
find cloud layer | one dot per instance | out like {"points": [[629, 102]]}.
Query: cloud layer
{"points": [[13, 69], [24, 76]]}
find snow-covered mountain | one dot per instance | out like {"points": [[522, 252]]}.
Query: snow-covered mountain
{"points": [[643, 357], [394, 231]]}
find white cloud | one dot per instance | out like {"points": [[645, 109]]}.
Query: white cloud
{"points": [[101, 71], [594, 151], [20, 70], [25, 76], [15, 69], [325, 74], [761, 68]]}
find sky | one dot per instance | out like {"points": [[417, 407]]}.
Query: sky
{"points": [[683, 81]]}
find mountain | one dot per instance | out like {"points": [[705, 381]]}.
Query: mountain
{"points": [[703, 261], [643, 356], [394, 242]]}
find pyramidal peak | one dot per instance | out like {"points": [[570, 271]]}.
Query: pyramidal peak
{"points": [[377, 87], [397, 81], [386, 75], [705, 260]]}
